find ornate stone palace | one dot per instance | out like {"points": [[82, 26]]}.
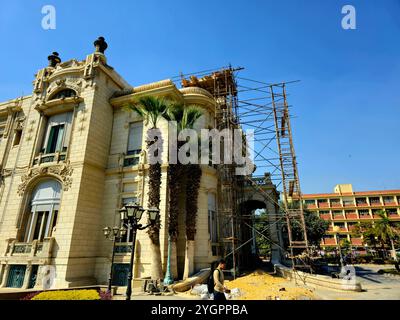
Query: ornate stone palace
{"points": [[70, 157]]}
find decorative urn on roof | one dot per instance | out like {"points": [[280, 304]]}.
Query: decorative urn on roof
{"points": [[100, 45], [54, 59]]}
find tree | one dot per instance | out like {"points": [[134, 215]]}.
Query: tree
{"points": [[315, 228], [386, 231], [382, 231], [185, 117], [152, 109]]}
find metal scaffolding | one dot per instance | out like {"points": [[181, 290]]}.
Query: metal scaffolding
{"points": [[250, 104]]}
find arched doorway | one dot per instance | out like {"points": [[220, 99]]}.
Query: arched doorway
{"points": [[43, 211], [254, 219]]}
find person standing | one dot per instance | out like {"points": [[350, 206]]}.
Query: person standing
{"points": [[219, 288]]}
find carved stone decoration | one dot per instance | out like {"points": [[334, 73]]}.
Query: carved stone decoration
{"points": [[73, 83], [62, 171]]}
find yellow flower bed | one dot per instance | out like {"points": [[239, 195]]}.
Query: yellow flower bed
{"points": [[68, 295]]}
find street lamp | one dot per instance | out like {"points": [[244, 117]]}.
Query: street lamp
{"points": [[131, 214], [113, 234]]}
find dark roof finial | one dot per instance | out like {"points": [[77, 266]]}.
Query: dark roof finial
{"points": [[54, 59], [100, 45]]}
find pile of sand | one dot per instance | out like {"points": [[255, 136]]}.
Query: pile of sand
{"points": [[260, 285]]}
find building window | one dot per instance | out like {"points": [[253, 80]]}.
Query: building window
{"points": [[387, 200], [57, 133], [66, 93], [134, 144], [212, 218], [44, 209], [374, 200], [3, 123], [17, 137], [309, 202]]}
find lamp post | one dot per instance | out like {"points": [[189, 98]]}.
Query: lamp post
{"points": [[113, 234], [168, 275], [131, 214]]}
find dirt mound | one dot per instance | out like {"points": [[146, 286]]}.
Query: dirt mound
{"points": [[261, 285]]}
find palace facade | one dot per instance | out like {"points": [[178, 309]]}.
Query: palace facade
{"points": [[71, 156]]}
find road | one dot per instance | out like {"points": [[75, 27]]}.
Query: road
{"points": [[375, 286]]}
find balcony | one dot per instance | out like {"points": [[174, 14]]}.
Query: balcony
{"points": [[330, 242], [49, 157], [325, 216], [362, 204], [336, 205], [31, 250], [351, 216], [365, 216], [390, 203], [357, 241], [375, 202], [338, 217], [311, 206], [323, 205], [349, 204]]}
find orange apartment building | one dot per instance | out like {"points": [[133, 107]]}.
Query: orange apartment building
{"points": [[345, 208]]}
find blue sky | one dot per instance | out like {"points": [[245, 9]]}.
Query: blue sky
{"points": [[347, 111]]}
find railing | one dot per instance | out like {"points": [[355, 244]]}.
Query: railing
{"points": [[323, 205], [325, 216], [31, 249], [338, 217], [348, 204], [49, 157], [335, 204], [123, 247], [351, 216], [365, 216], [22, 248], [362, 204], [390, 203], [357, 241], [330, 241]]}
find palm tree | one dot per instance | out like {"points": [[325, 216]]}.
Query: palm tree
{"points": [[185, 118], [152, 109], [386, 231]]}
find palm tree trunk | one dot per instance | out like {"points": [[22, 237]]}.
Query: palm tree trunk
{"points": [[174, 189], [154, 201], [394, 255], [192, 193]]}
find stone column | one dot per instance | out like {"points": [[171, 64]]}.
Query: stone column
{"points": [[27, 276], [272, 212], [6, 270]]}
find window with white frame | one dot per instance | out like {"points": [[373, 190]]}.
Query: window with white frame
{"points": [[212, 218], [57, 133], [134, 143], [44, 209]]}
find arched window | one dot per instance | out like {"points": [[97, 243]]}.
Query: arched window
{"points": [[44, 207], [65, 93]]}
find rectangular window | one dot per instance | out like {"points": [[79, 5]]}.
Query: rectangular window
{"points": [[57, 133], [17, 137], [212, 218], [135, 138], [134, 144]]}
